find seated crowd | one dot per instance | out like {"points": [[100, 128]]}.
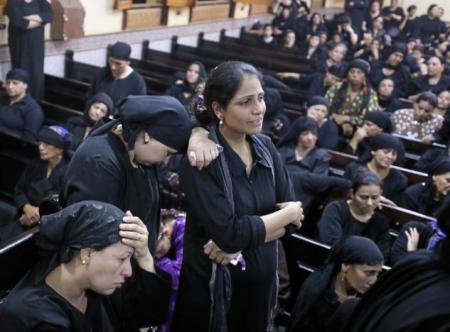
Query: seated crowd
{"points": [[373, 134]]}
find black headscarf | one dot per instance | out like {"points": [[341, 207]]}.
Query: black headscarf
{"points": [[18, 74], [86, 224], [120, 51], [298, 126], [316, 100], [55, 135], [384, 141], [162, 117], [381, 119], [100, 97], [350, 251]]}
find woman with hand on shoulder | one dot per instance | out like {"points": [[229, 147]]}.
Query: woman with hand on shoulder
{"points": [[96, 274], [236, 210]]}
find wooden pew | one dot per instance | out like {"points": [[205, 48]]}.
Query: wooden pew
{"points": [[415, 148], [57, 114], [15, 153], [400, 216], [340, 160], [65, 92], [17, 255]]}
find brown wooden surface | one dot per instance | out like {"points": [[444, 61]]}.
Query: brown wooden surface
{"points": [[179, 3], [258, 9], [210, 12], [142, 18], [123, 4]]}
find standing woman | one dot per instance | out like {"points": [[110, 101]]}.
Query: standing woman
{"points": [[27, 19], [240, 204]]}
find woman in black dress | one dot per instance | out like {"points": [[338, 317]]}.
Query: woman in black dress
{"points": [[27, 19], [358, 215], [97, 108], [351, 269], [236, 209]]}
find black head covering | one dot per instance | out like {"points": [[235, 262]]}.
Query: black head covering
{"points": [[202, 73], [18, 74], [360, 64], [55, 135], [384, 141], [349, 250], [86, 224], [337, 70], [120, 50], [297, 127], [440, 166], [316, 100], [397, 47], [381, 119], [100, 97], [162, 117]]}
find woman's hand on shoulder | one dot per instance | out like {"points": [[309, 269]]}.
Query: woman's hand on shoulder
{"points": [[201, 150]]}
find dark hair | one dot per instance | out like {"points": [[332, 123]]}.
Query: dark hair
{"points": [[267, 25], [202, 72], [221, 86], [364, 177], [314, 14], [412, 7], [431, 7], [429, 97], [441, 60]]}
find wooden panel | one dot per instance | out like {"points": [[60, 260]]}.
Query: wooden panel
{"points": [[241, 10], [142, 18], [178, 16], [179, 3], [123, 4], [257, 2], [258, 9], [210, 12], [68, 19]]}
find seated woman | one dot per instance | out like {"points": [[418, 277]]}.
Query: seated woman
{"points": [[184, 90], [428, 197], [118, 80], [358, 215], [97, 108], [20, 114], [351, 269], [96, 274], [352, 99], [41, 179], [383, 153], [434, 81], [386, 99], [443, 103], [317, 109]]}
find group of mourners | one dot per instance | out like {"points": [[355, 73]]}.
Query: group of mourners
{"points": [[112, 260]]}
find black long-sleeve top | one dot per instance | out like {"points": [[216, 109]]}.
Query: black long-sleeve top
{"points": [[422, 84], [23, 118], [421, 198], [428, 30], [141, 302], [401, 77], [337, 221], [210, 216], [33, 184], [117, 89], [393, 185]]}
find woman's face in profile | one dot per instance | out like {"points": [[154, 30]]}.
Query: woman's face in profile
{"points": [[48, 151], [361, 277], [149, 151], [108, 268]]}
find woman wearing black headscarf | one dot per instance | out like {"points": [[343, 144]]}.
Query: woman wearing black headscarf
{"points": [[413, 296], [185, 90], [383, 153], [351, 269], [117, 162], [429, 196], [40, 181], [97, 108], [358, 215], [87, 279]]}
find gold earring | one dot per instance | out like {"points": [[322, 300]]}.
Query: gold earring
{"points": [[344, 276]]}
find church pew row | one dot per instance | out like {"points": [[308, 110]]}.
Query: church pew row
{"points": [[340, 160], [416, 148], [17, 255], [65, 92], [79, 71], [180, 60], [15, 153]]}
